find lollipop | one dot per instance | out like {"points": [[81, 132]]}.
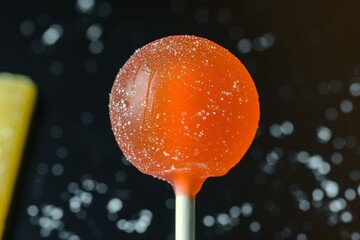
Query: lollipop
{"points": [[183, 109], [17, 101]]}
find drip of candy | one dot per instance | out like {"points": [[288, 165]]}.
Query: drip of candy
{"points": [[17, 98], [183, 109]]}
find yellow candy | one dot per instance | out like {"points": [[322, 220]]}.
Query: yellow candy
{"points": [[17, 98]]}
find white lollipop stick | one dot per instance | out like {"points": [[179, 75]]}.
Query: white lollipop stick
{"points": [[185, 218]]}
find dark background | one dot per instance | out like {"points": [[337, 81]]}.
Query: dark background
{"points": [[300, 179]]}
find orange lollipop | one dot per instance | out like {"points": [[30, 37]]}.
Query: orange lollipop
{"points": [[183, 109]]}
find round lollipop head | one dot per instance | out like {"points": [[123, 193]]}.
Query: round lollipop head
{"points": [[183, 108]]}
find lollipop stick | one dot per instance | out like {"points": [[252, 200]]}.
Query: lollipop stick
{"points": [[185, 218]]}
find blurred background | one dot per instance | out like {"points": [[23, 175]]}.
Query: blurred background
{"points": [[300, 179]]}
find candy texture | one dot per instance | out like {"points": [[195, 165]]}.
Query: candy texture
{"points": [[182, 109]]}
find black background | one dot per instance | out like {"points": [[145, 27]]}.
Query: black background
{"points": [[311, 65]]}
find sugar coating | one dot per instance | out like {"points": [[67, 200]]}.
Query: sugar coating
{"points": [[184, 107]]}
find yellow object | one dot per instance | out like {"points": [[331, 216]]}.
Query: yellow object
{"points": [[17, 98]]}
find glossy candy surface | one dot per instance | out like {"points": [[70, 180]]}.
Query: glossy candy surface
{"points": [[182, 109]]}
